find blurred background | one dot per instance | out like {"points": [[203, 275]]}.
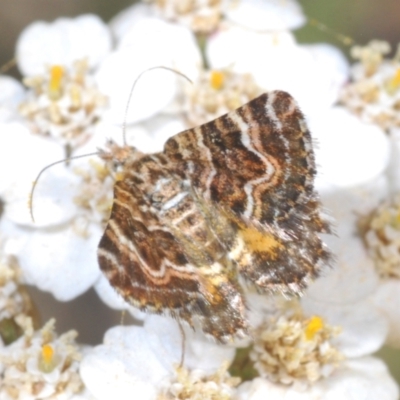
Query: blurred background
{"points": [[362, 20]]}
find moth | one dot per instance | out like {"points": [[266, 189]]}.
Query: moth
{"points": [[229, 200]]}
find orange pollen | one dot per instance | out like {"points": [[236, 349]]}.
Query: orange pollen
{"points": [[47, 354], [315, 324], [47, 359], [56, 75], [217, 79]]}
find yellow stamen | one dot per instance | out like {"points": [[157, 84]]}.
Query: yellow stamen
{"points": [[47, 360], [217, 79], [396, 223], [56, 76], [314, 325], [393, 84], [396, 79]]}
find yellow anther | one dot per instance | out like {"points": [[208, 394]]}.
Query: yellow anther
{"points": [[56, 76], [396, 79], [314, 325], [47, 360], [393, 84], [47, 353], [217, 79], [397, 220]]}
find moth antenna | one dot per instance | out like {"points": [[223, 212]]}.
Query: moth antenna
{"points": [[133, 87], [122, 321], [34, 184], [8, 65], [344, 39], [182, 360]]}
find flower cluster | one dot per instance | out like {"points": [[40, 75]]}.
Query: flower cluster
{"points": [[292, 349], [63, 105], [40, 365], [374, 93], [95, 89]]}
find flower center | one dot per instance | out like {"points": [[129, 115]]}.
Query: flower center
{"points": [[64, 104], [314, 325], [47, 361], [295, 350], [217, 79], [381, 230], [55, 82]]}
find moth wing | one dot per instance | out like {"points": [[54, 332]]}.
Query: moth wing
{"points": [[150, 269], [256, 164]]}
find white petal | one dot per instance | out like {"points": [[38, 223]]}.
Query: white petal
{"points": [[11, 95], [265, 14], [321, 71], [123, 366], [22, 157], [394, 166], [60, 261], [362, 379], [62, 42], [260, 307], [123, 22], [239, 48], [364, 328], [351, 278], [200, 352], [152, 92], [109, 296], [349, 151], [160, 129], [150, 43], [347, 205], [387, 300], [313, 74], [148, 136], [168, 44]]}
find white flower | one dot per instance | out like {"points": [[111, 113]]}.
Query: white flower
{"points": [[67, 227], [343, 149], [18, 146], [40, 365], [365, 379], [63, 102], [62, 42], [381, 237], [141, 360], [374, 92], [312, 74], [150, 42], [265, 15], [215, 93], [386, 300]]}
